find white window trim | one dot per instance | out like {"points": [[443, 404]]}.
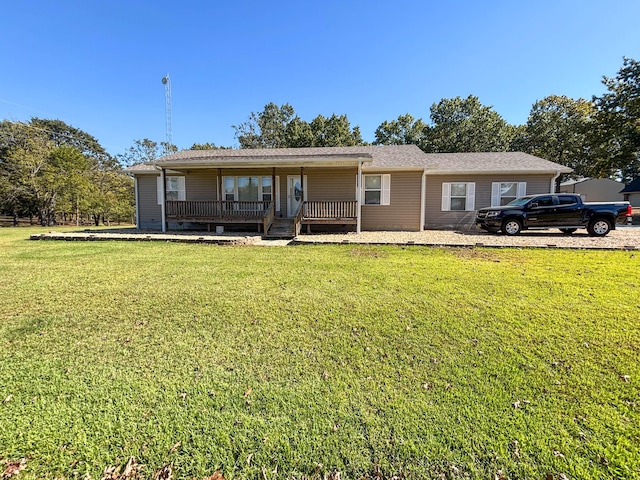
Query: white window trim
{"points": [[470, 202], [275, 189], [182, 191], [385, 189], [495, 192]]}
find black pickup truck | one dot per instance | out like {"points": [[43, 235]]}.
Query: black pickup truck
{"points": [[565, 211]]}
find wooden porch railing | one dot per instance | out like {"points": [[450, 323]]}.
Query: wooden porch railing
{"points": [[267, 220], [329, 210], [217, 210]]}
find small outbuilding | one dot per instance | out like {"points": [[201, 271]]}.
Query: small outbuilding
{"points": [[594, 189], [631, 193]]}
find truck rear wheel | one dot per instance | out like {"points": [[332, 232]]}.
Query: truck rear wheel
{"points": [[511, 226], [599, 227]]}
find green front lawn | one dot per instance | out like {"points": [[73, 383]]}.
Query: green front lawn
{"points": [[305, 361]]}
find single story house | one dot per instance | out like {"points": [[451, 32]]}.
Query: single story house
{"points": [[594, 189], [280, 191], [631, 193]]}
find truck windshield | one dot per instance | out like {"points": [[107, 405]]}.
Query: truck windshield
{"points": [[519, 201]]}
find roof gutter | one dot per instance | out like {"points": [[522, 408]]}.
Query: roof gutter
{"points": [[497, 172]]}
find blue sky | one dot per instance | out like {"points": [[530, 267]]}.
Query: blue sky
{"points": [[98, 65]]}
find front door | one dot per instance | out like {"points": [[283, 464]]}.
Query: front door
{"points": [[294, 194]]}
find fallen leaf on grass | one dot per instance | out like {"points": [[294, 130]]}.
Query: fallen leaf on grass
{"points": [[183, 395], [14, 468], [499, 475], [174, 449], [131, 470], [247, 393], [325, 374], [8, 399], [625, 378], [216, 476], [558, 454], [516, 449], [165, 473]]}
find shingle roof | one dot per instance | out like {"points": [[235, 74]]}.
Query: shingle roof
{"points": [[478, 162], [381, 157]]}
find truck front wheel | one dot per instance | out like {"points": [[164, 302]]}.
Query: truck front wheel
{"points": [[599, 227], [511, 226]]}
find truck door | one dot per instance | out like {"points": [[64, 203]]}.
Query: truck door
{"points": [[541, 211], [569, 210]]}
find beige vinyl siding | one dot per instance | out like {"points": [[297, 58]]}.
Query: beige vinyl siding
{"points": [[201, 185], [149, 210], [321, 184], [436, 218], [403, 212]]}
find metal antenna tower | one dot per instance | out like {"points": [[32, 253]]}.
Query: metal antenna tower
{"points": [[166, 81]]}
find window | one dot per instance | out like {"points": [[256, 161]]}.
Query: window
{"points": [[543, 202], [567, 200], [230, 188], [174, 189], [458, 196], [248, 189], [377, 189], [504, 192], [266, 189]]}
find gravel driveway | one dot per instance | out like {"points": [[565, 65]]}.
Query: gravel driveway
{"points": [[621, 238]]}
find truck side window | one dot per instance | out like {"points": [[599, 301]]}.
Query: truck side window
{"points": [[545, 201], [566, 200]]}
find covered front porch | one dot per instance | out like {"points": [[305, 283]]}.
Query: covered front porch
{"points": [[262, 214], [277, 201]]}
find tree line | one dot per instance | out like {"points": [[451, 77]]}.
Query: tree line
{"points": [[597, 138], [53, 172]]}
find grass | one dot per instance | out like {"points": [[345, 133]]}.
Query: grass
{"points": [[300, 362]]}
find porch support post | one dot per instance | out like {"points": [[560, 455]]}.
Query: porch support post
{"points": [[359, 197], [163, 209], [219, 192], [137, 200], [273, 188], [422, 200]]}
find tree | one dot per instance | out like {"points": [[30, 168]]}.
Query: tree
{"points": [[334, 131], [265, 129], [298, 133], [404, 131], [142, 151], [49, 169], [559, 129], [279, 127], [145, 151], [206, 146], [465, 125], [618, 146]]}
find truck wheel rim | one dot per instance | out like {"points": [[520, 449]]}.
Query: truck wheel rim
{"points": [[601, 227], [511, 227]]}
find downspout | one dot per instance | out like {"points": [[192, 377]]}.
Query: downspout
{"points": [[553, 181], [163, 179], [359, 197], [422, 200], [137, 200]]}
